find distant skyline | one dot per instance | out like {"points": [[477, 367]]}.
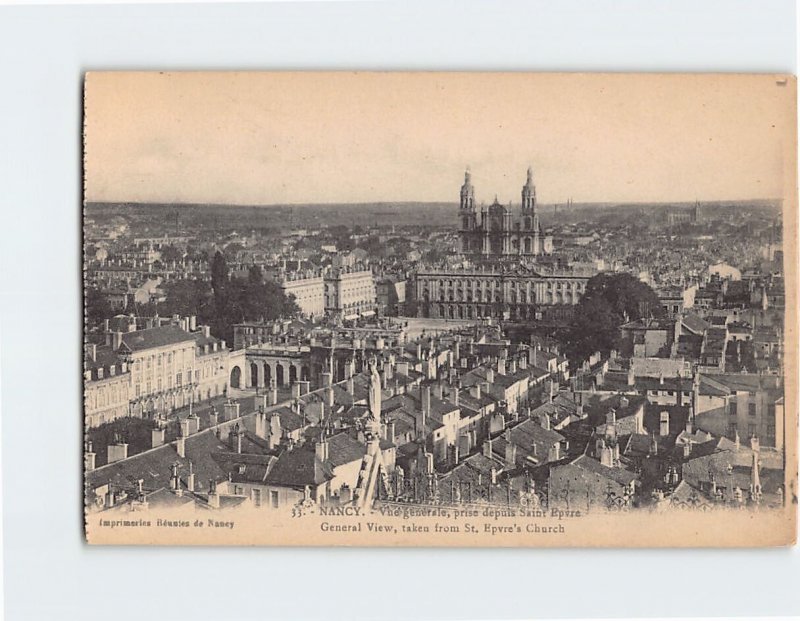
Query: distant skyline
{"points": [[297, 138]]}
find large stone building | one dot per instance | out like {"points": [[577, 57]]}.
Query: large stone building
{"points": [[519, 293], [497, 232], [350, 292], [145, 371], [308, 290]]}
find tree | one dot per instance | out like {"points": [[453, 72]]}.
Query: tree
{"points": [[610, 300], [170, 254], [97, 307]]}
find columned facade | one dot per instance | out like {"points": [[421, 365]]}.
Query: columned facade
{"points": [[514, 295]]}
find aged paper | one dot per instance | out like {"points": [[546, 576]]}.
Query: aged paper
{"points": [[440, 309]]}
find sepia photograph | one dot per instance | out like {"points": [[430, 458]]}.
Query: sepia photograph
{"points": [[439, 309]]}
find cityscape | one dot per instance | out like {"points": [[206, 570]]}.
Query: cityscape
{"points": [[571, 356]]}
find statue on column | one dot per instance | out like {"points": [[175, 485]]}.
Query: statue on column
{"points": [[374, 424]]}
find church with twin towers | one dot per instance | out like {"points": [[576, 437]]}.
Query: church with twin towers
{"points": [[495, 231]]}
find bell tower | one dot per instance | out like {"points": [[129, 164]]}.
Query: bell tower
{"points": [[466, 213], [529, 195]]}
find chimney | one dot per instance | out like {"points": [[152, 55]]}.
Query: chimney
{"points": [[180, 446], [273, 392], [512, 366], [611, 417], [116, 340], [475, 391], [487, 447], [419, 351], [425, 410], [321, 450], [661, 378], [454, 396], [350, 386], [439, 390], [606, 455], [190, 478], [295, 391], [206, 331], [624, 403], [274, 431], [544, 421], [305, 387], [213, 496], [689, 428], [185, 427], [755, 444], [230, 410], [213, 418], [325, 378], [261, 424], [523, 363], [174, 478], [90, 457], [117, 452], [631, 377], [90, 349], [663, 428], [390, 431], [156, 437], [501, 366], [511, 454], [425, 399], [687, 450], [192, 323], [490, 375]]}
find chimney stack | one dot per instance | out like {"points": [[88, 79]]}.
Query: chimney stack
{"points": [[295, 391], [190, 478], [90, 457], [490, 375], [321, 449], [663, 428], [116, 340], [156, 437], [501, 366], [180, 446], [213, 496], [117, 452], [230, 410]]}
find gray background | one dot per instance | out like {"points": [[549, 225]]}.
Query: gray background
{"points": [[49, 572]]}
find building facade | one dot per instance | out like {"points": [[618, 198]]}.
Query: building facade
{"points": [[497, 232], [350, 292], [308, 292], [519, 293]]}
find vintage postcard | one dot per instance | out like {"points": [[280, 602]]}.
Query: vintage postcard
{"points": [[440, 309]]}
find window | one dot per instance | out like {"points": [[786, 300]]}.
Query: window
{"points": [[256, 497], [238, 490], [751, 409], [138, 389], [274, 499], [751, 430], [178, 379], [732, 410]]}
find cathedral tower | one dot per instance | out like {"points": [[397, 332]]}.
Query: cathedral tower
{"points": [[529, 195], [466, 212]]}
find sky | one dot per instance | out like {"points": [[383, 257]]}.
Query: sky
{"points": [[278, 138]]}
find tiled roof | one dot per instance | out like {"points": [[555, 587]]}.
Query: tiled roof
{"points": [[155, 337], [619, 475], [298, 468], [344, 449]]}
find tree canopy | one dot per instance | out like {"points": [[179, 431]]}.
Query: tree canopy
{"points": [[610, 300]]}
